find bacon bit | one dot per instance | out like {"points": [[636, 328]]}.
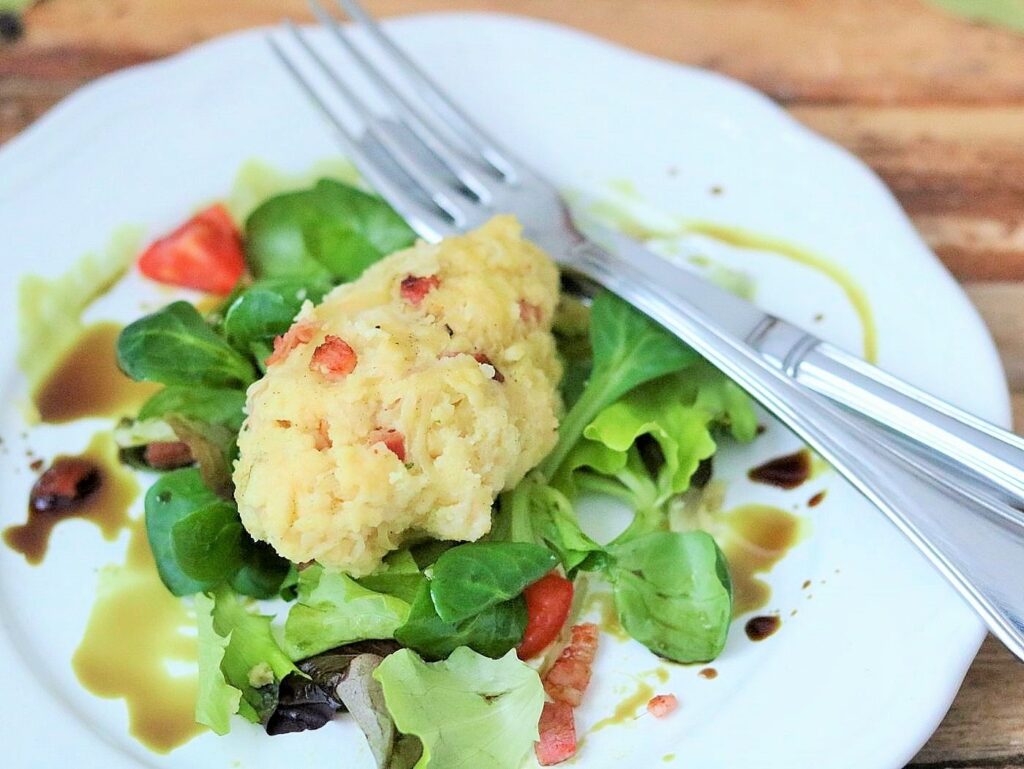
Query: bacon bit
{"points": [[392, 439], [482, 359], [529, 312], [67, 483], [569, 677], [322, 438], [334, 359], [661, 705], [168, 455], [414, 288], [557, 734], [300, 333]]}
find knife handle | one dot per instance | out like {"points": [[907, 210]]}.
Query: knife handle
{"points": [[922, 421]]}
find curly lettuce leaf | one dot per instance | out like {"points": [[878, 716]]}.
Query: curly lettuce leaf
{"points": [[218, 700], [468, 711], [656, 409], [333, 609], [241, 665], [629, 349]]}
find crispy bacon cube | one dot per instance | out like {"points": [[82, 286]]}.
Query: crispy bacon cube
{"points": [[661, 705], [557, 734], [300, 333], [414, 288], [497, 376], [529, 312], [334, 359], [392, 439], [569, 677]]}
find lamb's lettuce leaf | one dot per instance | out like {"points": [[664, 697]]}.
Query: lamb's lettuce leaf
{"points": [[212, 405], [550, 519], [473, 577], [331, 232], [182, 516], [175, 346], [468, 711], [398, 575], [492, 632], [673, 593], [267, 308]]}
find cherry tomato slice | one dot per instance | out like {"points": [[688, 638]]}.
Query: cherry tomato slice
{"points": [[204, 253], [548, 601]]}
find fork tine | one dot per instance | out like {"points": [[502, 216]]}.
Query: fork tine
{"points": [[429, 224], [438, 191], [419, 124], [434, 97]]}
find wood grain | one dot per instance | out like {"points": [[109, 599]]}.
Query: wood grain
{"points": [[934, 105]]}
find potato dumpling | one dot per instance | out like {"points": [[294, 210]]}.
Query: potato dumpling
{"points": [[404, 402]]}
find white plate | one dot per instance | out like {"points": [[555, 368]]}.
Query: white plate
{"points": [[864, 672]]}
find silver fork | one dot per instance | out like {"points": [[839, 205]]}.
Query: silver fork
{"points": [[444, 174]]}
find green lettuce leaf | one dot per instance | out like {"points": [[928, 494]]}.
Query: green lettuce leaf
{"points": [[399, 575], [673, 593], [216, 406], [175, 346], [331, 232], [492, 632], [217, 550], [241, 656], [473, 577], [552, 521], [629, 349], [656, 409], [333, 609], [468, 712], [267, 308], [218, 700]]}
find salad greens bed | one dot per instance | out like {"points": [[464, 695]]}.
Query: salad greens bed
{"points": [[421, 653]]}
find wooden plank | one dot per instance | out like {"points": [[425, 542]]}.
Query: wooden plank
{"points": [[958, 171], [984, 726], [1002, 307], [822, 50]]}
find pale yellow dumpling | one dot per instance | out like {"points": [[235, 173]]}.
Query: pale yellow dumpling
{"points": [[404, 402]]}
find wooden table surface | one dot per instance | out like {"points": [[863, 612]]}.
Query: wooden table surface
{"points": [[935, 105]]}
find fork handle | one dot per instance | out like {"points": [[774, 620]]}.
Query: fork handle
{"points": [[968, 533]]}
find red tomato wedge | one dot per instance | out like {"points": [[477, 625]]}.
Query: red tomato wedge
{"points": [[557, 730], [204, 253], [548, 601]]}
